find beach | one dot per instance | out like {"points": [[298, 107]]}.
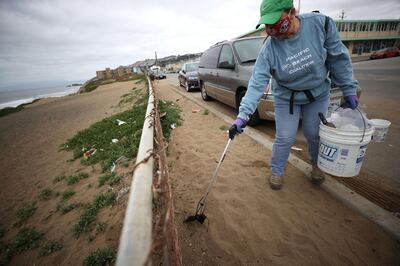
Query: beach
{"points": [[31, 159], [248, 224], [15, 97]]}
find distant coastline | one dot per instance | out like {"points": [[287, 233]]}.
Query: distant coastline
{"points": [[15, 98]]}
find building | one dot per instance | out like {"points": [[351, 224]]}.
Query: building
{"points": [[142, 66], [113, 73], [361, 37]]}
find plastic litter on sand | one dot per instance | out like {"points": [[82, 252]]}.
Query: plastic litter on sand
{"points": [[120, 122]]}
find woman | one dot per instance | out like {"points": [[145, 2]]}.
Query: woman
{"points": [[299, 55]]}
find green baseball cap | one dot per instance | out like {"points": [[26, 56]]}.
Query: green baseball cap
{"points": [[271, 10]]}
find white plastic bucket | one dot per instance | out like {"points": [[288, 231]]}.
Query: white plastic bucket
{"points": [[341, 153], [381, 129]]}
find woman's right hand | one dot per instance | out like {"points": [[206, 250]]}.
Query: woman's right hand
{"points": [[237, 127]]}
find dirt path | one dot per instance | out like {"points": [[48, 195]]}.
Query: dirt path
{"points": [[30, 160], [249, 224]]}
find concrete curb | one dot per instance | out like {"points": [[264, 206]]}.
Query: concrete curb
{"points": [[380, 216]]}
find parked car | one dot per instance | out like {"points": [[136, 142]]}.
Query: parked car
{"points": [[157, 74], [225, 70], [386, 52], [188, 76]]}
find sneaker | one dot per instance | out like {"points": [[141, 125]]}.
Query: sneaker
{"points": [[317, 175], [276, 182]]}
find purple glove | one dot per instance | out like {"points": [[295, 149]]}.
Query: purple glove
{"points": [[237, 127], [352, 101]]}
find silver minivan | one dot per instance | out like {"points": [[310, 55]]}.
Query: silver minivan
{"points": [[225, 70]]}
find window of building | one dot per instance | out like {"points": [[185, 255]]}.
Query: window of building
{"points": [[371, 26], [363, 26], [361, 47], [346, 26], [342, 26], [376, 45], [393, 26], [353, 26]]}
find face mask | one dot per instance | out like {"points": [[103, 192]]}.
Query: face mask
{"points": [[280, 28]]}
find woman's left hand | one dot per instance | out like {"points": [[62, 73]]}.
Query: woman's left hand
{"points": [[352, 101]]}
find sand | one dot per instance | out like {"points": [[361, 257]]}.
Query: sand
{"points": [[249, 224], [30, 159]]}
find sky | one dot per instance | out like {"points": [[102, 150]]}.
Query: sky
{"points": [[70, 40]]}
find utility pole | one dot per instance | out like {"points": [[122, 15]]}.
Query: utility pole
{"points": [[298, 9], [156, 63], [342, 16]]}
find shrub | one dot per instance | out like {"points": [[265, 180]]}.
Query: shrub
{"points": [[50, 247], [104, 256], [45, 194]]}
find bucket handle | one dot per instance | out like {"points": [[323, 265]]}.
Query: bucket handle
{"points": [[365, 126]]}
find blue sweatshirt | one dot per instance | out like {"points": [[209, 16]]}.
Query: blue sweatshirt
{"points": [[301, 63]]}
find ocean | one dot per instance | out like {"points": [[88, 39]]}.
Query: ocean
{"points": [[16, 97]]}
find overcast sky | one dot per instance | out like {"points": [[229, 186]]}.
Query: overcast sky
{"points": [[70, 40]]}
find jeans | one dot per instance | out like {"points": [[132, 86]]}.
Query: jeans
{"points": [[286, 128]]}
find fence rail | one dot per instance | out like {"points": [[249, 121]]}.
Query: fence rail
{"points": [[136, 237]]}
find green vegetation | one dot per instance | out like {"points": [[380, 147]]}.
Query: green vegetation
{"points": [[45, 194], [27, 238], [59, 178], [25, 212], [73, 179], [10, 110], [139, 78], [86, 220], [110, 178], [94, 84], [91, 86], [100, 134], [115, 180], [224, 128], [129, 97], [100, 228], [206, 112], [101, 257], [66, 209], [6, 253], [172, 116], [67, 194], [50, 247]]}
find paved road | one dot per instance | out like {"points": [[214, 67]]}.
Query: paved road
{"points": [[380, 80]]}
